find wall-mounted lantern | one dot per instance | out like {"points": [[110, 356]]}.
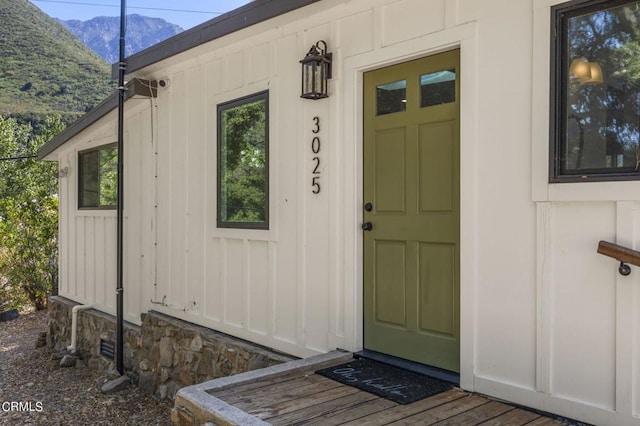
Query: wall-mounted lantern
{"points": [[316, 70]]}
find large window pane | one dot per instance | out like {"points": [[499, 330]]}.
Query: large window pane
{"points": [[598, 83], [242, 163], [98, 178]]}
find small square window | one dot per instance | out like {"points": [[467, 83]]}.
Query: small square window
{"points": [[391, 97], [98, 178], [438, 88], [243, 162], [596, 91]]}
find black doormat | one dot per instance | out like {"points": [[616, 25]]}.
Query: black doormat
{"points": [[386, 381]]}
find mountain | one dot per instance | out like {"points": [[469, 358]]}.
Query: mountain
{"points": [[44, 69], [102, 34]]}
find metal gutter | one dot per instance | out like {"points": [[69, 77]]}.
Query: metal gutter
{"points": [[243, 17], [135, 87]]}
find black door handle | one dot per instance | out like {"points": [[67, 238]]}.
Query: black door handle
{"points": [[367, 226]]}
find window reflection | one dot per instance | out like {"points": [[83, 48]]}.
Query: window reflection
{"points": [[242, 163], [98, 178], [602, 90]]}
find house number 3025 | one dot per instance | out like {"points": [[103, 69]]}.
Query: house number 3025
{"points": [[315, 161]]}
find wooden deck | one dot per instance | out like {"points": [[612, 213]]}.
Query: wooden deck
{"points": [[305, 398]]}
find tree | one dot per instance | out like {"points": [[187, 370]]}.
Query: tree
{"points": [[28, 215]]}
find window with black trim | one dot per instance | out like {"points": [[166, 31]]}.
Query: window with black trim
{"points": [[595, 91], [98, 178], [243, 162]]}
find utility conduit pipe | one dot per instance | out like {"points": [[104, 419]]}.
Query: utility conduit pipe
{"points": [[74, 326]]}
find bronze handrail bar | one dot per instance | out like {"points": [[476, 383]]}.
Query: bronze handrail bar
{"points": [[622, 254]]}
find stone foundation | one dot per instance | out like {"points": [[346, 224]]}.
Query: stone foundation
{"points": [[93, 325], [164, 354]]}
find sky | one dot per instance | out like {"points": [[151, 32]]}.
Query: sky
{"points": [[185, 13]]}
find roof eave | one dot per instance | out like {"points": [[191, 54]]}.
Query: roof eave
{"points": [[135, 87], [243, 17]]}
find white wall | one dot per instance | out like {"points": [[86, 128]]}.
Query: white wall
{"points": [[546, 322], [88, 237]]}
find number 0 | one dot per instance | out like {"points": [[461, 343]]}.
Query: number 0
{"points": [[315, 145]]}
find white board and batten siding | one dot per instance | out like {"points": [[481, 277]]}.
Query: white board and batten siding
{"points": [[87, 238], [545, 321]]}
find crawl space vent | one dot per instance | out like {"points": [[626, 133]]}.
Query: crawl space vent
{"points": [[107, 349]]}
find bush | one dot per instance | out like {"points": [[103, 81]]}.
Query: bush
{"points": [[29, 241], [28, 217]]}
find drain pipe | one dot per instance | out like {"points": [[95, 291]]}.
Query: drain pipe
{"points": [[74, 326], [119, 204]]}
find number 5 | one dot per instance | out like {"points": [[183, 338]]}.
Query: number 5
{"points": [[316, 185]]}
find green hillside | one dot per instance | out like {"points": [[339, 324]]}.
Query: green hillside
{"points": [[44, 69]]}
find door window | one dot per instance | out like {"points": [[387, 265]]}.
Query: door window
{"points": [[391, 97], [437, 88]]}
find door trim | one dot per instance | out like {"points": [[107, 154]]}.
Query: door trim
{"points": [[463, 37], [411, 255]]}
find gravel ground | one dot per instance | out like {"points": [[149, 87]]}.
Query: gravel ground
{"points": [[35, 390]]}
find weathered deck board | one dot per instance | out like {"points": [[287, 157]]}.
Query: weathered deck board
{"points": [[305, 398], [401, 411], [276, 397], [303, 415], [477, 415], [544, 421], [282, 406], [443, 412], [338, 417], [238, 389], [287, 390], [515, 417]]}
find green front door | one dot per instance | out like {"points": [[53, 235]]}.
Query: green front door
{"points": [[412, 210]]}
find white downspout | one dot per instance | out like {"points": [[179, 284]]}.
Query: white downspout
{"points": [[74, 326]]}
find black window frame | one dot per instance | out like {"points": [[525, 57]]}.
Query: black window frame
{"points": [[264, 225], [80, 182], [558, 93]]}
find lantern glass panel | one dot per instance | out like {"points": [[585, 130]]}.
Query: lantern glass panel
{"points": [[320, 79], [308, 77]]}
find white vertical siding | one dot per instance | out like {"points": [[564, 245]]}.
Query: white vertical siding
{"points": [[214, 290], [235, 284], [178, 188], [258, 306], [88, 237], [284, 165], [102, 251], [546, 322], [583, 305]]}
